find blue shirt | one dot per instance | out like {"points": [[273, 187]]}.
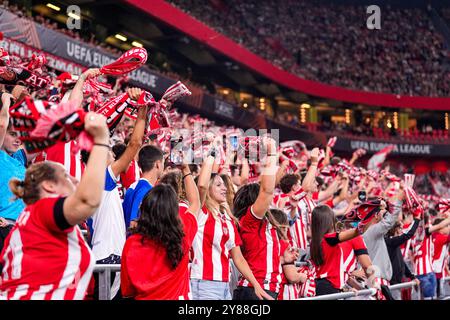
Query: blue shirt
{"points": [[13, 166], [133, 198]]}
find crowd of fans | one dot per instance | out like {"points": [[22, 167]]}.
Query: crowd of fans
{"points": [[419, 134], [225, 216], [331, 43]]}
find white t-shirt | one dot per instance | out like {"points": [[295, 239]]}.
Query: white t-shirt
{"points": [[108, 222]]}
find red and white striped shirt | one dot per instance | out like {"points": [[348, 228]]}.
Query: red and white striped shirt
{"points": [[212, 244], [297, 231], [307, 205], [43, 262], [288, 291], [262, 250], [62, 153], [423, 255], [404, 248], [308, 288], [440, 244]]}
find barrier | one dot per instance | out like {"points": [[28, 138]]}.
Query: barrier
{"points": [[104, 271], [104, 279]]}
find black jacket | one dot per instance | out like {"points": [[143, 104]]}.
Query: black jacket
{"points": [[399, 268]]}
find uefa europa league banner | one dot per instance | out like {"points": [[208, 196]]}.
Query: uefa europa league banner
{"points": [[66, 48], [404, 147]]}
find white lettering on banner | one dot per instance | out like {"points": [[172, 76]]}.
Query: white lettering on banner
{"points": [[25, 51], [403, 148], [144, 78], [86, 56], [90, 57]]}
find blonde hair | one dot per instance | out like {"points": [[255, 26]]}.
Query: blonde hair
{"points": [[212, 204]]}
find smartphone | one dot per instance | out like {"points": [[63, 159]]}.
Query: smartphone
{"points": [[176, 156], [234, 143], [362, 196]]}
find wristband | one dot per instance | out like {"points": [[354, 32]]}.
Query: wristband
{"points": [[103, 145], [187, 174]]}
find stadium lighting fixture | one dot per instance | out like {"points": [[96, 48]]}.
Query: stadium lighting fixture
{"points": [[54, 7], [137, 44], [120, 37], [389, 124], [305, 106], [245, 105], [73, 15]]}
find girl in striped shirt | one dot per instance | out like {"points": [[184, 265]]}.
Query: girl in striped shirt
{"points": [[262, 247], [217, 241]]}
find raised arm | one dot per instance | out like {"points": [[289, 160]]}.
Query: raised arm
{"points": [[121, 165], [77, 91], [330, 191], [281, 171], [343, 194], [399, 240], [245, 171], [268, 177], [4, 115], [440, 225], [390, 218], [309, 180], [203, 178], [81, 205], [192, 194]]}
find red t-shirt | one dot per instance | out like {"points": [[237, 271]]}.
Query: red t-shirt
{"points": [[45, 258], [350, 250], [333, 265], [262, 250], [146, 272]]}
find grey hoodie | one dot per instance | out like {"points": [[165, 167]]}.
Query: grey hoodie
{"points": [[376, 246]]}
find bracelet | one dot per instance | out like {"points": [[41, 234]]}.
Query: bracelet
{"points": [[187, 174], [103, 145]]}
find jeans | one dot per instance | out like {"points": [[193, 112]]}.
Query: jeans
{"points": [[210, 290], [428, 284], [248, 293]]}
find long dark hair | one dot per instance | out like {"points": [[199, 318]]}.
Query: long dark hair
{"points": [[244, 198], [322, 222], [160, 221]]}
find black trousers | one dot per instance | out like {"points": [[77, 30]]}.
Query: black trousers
{"points": [[248, 293], [324, 286]]}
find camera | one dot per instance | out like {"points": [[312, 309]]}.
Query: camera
{"points": [[303, 258], [362, 196]]}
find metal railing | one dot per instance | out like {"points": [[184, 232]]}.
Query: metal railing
{"points": [[369, 292], [104, 273], [104, 279]]}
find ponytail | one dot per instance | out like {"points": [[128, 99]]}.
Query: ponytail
{"points": [[17, 188], [29, 190]]}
